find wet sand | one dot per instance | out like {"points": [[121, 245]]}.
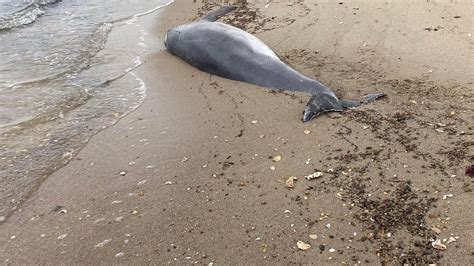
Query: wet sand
{"points": [[190, 176]]}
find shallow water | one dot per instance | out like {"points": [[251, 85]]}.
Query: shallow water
{"points": [[64, 75]]}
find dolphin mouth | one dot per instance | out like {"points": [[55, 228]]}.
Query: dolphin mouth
{"points": [[308, 115]]}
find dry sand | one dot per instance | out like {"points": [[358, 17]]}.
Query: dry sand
{"points": [[188, 176]]}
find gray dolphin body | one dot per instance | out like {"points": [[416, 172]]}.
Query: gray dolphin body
{"points": [[229, 52]]}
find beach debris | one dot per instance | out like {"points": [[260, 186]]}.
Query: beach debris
{"points": [[103, 243], [119, 219], [99, 220], [307, 132], [61, 237], [438, 245], [331, 250], [185, 159], [141, 183], [290, 182], [169, 183], [272, 168], [63, 211], [451, 240], [314, 237], [134, 212], [302, 245], [433, 28], [254, 122], [120, 254], [307, 161], [117, 202], [328, 226], [448, 196], [123, 173], [470, 170], [276, 158], [314, 176], [436, 230]]}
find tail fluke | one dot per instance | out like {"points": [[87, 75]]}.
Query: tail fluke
{"points": [[349, 104], [216, 14], [323, 102], [320, 103]]}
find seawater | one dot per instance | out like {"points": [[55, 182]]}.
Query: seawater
{"points": [[62, 80]]}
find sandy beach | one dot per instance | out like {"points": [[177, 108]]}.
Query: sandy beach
{"points": [[200, 172]]}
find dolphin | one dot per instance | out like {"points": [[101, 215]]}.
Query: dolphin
{"points": [[226, 51]]}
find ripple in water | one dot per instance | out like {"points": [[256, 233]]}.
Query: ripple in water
{"points": [[64, 76]]}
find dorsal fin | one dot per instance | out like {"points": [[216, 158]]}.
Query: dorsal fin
{"points": [[216, 14]]}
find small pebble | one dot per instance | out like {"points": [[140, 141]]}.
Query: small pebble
{"points": [[438, 245], [448, 196], [141, 183], [277, 158], [302, 245], [290, 182], [123, 173], [103, 243], [451, 239], [314, 176]]}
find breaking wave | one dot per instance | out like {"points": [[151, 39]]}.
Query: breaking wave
{"points": [[25, 14]]}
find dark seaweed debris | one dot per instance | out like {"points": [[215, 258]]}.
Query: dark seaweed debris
{"points": [[401, 211], [470, 170]]}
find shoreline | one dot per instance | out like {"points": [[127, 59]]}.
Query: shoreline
{"points": [[187, 177], [16, 194]]}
